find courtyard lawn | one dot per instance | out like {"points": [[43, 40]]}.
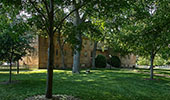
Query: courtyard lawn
{"points": [[156, 71], [115, 84]]}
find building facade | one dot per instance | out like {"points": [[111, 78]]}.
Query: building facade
{"points": [[40, 58]]}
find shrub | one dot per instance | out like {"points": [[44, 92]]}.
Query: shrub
{"points": [[115, 61], [100, 61]]}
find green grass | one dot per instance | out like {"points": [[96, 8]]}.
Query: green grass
{"points": [[115, 84], [156, 71]]}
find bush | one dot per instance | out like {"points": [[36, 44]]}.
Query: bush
{"points": [[115, 61], [100, 61]]}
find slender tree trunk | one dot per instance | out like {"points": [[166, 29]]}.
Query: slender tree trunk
{"points": [[62, 53], [151, 66], [50, 52], [76, 56], [50, 68], [18, 67], [77, 48], [94, 55], [10, 72], [76, 60], [62, 59]]}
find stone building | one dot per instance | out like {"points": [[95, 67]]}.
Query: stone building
{"points": [[40, 58]]}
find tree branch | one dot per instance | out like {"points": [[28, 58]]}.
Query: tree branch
{"points": [[61, 22], [38, 10], [46, 6]]}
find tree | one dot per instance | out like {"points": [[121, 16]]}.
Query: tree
{"points": [[99, 10], [150, 34], [15, 39], [96, 34], [44, 14]]}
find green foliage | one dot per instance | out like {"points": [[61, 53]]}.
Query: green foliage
{"points": [[14, 47], [159, 61], [115, 61], [15, 37], [16, 3], [100, 61], [1, 63], [143, 61], [148, 34], [168, 63]]}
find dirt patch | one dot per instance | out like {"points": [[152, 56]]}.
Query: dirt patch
{"points": [[55, 97]]}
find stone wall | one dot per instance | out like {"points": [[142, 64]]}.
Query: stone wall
{"points": [[128, 60]]}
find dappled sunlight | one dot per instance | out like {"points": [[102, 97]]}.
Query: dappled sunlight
{"points": [[64, 78], [3, 72], [34, 71], [43, 79], [78, 80], [90, 80], [103, 76]]}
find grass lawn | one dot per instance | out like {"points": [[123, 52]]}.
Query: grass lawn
{"points": [[115, 84], [156, 71]]}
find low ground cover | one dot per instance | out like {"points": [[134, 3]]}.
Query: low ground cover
{"points": [[100, 84]]}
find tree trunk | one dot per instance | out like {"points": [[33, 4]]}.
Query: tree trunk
{"points": [[76, 61], [10, 72], [50, 68], [18, 67], [94, 55], [77, 48], [151, 66], [50, 52], [62, 59], [76, 55], [62, 53]]}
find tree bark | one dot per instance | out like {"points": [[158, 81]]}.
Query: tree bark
{"points": [[62, 53], [18, 67], [50, 52], [76, 59], [10, 69], [77, 48], [151, 66], [10, 72], [94, 55], [62, 59], [50, 68]]}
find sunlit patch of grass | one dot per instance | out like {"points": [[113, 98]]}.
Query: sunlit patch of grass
{"points": [[1, 72], [78, 80]]}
